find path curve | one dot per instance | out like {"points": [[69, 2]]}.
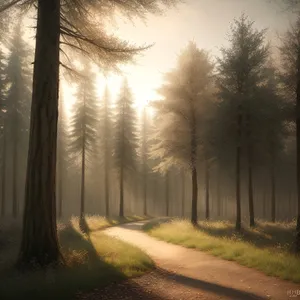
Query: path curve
{"points": [[190, 274]]}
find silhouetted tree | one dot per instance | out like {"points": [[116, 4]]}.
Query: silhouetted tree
{"points": [[240, 69], [106, 144], [290, 56], [181, 116], [83, 129], [72, 25], [125, 144], [18, 94]]}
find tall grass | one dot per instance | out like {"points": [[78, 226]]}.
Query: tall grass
{"points": [[93, 259], [266, 248]]}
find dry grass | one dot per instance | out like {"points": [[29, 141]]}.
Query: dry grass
{"points": [[266, 248], [92, 260]]}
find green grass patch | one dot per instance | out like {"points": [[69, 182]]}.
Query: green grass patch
{"points": [[266, 248], [92, 260]]}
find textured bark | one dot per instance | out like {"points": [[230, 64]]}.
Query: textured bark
{"points": [[3, 172], [39, 243], [238, 224], [207, 208], [82, 194], [264, 205]]}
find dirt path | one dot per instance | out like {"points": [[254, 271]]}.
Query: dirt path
{"points": [[190, 274]]}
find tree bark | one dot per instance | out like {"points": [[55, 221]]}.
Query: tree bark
{"points": [[15, 164], [207, 208], [182, 194], [264, 205], [238, 224], [121, 209], [145, 189], [250, 179], [167, 193], [194, 215], [218, 192], [82, 194], [39, 243], [273, 193], [106, 181], [60, 185], [3, 179]]}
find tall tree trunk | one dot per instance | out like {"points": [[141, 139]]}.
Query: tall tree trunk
{"points": [[3, 173], [264, 205], [182, 193], [106, 181], [194, 215], [297, 242], [167, 193], [82, 194], [145, 189], [250, 179], [207, 208], [39, 236], [121, 209], [219, 192], [238, 224], [273, 192], [14, 168], [60, 184]]}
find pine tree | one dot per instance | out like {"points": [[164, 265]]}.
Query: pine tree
{"points": [[106, 144], [18, 79], [240, 72], [290, 56], [83, 130], [61, 25], [125, 144], [182, 115]]}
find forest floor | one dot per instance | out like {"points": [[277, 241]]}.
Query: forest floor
{"points": [[184, 273], [90, 262]]}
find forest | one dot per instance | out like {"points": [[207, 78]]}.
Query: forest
{"points": [[220, 143]]}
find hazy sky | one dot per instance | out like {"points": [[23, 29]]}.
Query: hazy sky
{"points": [[207, 22]]}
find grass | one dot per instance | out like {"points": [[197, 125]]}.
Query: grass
{"points": [[92, 260], [266, 248]]}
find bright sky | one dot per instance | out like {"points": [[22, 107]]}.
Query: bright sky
{"points": [[207, 22]]}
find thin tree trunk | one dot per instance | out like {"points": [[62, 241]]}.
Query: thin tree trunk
{"points": [[264, 205], [167, 193], [182, 193], [218, 192], [194, 215], [106, 181], [250, 187], [238, 224], [145, 189], [82, 194], [3, 181], [39, 235], [121, 209], [207, 190], [273, 194], [14, 169], [60, 185]]}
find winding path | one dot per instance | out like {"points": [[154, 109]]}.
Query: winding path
{"points": [[189, 274]]}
